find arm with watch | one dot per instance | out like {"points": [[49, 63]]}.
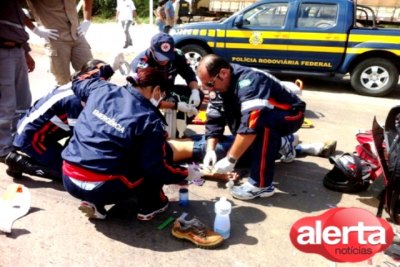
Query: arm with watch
{"points": [[241, 143]]}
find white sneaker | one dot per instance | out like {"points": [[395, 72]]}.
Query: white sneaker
{"points": [[91, 211], [248, 191], [288, 150]]}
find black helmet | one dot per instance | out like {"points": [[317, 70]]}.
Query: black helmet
{"points": [[349, 174]]}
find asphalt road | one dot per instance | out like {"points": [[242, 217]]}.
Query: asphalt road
{"points": [[55, 233]]}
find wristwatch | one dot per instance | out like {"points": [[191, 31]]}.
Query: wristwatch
{"points": [[231, 160]]}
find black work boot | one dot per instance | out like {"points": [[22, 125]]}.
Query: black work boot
{"points": [[19, 164]]}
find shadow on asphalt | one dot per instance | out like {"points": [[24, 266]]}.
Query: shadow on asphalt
{"points": [[38, 182], [121, 225], [301, 188]]}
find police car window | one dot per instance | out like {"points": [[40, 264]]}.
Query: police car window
{"points": [[266, 15], [313, 15]]}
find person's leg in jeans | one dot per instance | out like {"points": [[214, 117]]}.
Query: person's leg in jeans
{"points": [[14, 93], [125, 26]]}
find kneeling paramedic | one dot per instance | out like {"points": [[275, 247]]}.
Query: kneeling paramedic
{"points": [[258, 110], [49, 121], [118, 146], [171, 61]]}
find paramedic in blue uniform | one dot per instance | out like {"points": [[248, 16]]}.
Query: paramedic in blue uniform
{"points": [[163, 55], [258, 110], [118, 148], [49, 120]]}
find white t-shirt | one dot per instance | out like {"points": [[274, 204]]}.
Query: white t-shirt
{"points": [[125, 8]]}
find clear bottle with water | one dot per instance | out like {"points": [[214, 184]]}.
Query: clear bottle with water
{"points": [[222, 224]]}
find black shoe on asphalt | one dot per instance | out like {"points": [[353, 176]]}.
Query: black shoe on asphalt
{"points": [[13, 174], [19, 164], [148, 213], [3, 159]]}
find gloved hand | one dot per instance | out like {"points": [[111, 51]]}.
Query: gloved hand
{"points": [[183, 107], [192, 112], [118, 61], [46, 33], [224, 166], [83, 27], [194, 172], [195, 98], [209, 159]]}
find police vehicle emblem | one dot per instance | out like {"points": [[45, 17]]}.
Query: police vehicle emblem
{"points": [[256, 38]]}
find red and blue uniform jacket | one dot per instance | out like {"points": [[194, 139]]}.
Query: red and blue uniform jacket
{"points": [[179, 66], [50, 119], [251, 92], [119, 135]]}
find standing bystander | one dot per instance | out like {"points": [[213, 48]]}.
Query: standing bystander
{"points": [[126, 11], [160, 15], [15, 63], [65, 37], [170, 13]]}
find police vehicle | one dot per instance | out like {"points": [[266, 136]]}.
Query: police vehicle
{"points": [[318, 36]]}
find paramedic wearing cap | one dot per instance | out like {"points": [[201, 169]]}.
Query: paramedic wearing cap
{"points": [[163, 55], [258, 111], [117, 149]]}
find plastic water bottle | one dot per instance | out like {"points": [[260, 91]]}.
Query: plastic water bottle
{"points": [[222, 224]]}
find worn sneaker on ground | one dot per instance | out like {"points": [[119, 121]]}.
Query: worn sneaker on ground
{"points": [[91, 211], [288, 149], [196, 232], [248, 191], [148, 213], [329, 149]]}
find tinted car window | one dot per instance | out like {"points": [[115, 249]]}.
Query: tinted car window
{"points": [[313, 15], [267, 15]]}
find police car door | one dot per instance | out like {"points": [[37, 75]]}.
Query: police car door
{"points": [[317, 36], [258, 36]]}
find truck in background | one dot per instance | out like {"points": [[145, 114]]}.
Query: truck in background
{"points": [[386, 11], [212, 10]]}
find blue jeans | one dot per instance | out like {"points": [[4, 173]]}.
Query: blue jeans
{"points": [[222, 148], [125, 26], [160, 25], [15, 94]]}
